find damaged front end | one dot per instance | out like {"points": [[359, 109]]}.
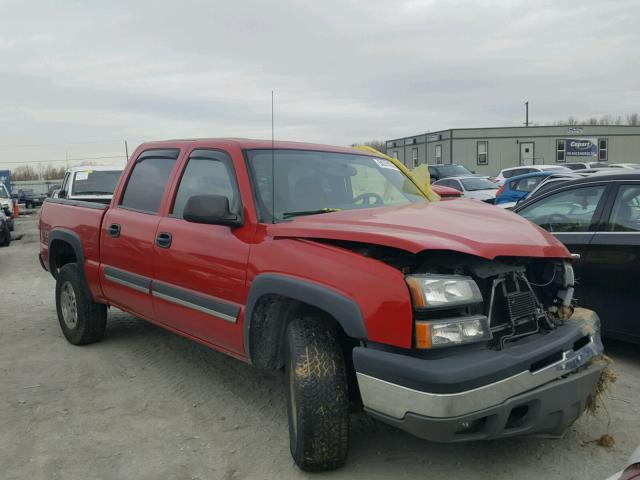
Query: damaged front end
{"points": [[499, 349]]}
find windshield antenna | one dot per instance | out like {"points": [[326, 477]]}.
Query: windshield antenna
{"points": [[273, 167]]}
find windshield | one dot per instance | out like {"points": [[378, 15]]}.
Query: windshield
{"points": [[453, 170], [95, 182], [308, 182], [3, 192], [472, 184]]}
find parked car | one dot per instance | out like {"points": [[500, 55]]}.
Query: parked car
{"points": [[598, 218], [628, 166], [446, 193], [53, 188], [585, 165], [516, 188], [475, 188], [517, 171], [6, 205], [29, 197], [90, 183], [451, 320], [552, 180], [440, 171], [5, 233]]}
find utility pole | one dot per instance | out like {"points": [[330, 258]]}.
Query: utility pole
{"points": [[526, 118], [126, 151]]}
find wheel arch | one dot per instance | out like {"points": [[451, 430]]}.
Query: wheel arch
{"points": [[65, 247], [275, 299]]}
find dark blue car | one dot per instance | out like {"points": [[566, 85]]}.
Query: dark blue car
{"points": [[517, 188]]}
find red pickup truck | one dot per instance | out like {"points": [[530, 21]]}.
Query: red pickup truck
{"points": [[451, 320]]}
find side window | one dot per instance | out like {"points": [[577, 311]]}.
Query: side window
{"points": [[625, 216], [208, 172], [602, 149], [560, 150], [482, 152], [527, 184], [148, 180], [438, 154], [568, 211], [65, 187]]}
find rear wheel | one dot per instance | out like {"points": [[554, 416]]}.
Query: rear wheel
{"points": [[6, 236], [82, 320], [317, 395]]}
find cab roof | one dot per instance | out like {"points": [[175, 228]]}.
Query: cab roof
{"points": [[250, 144]]}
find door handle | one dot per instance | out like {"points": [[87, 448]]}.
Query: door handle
{"points": [[163, 240], [114, 230]]}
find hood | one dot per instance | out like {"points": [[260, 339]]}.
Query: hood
{"points": [[464, 226]]}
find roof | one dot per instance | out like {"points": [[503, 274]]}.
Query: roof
{"points": [[251, 144], [86, 168]]}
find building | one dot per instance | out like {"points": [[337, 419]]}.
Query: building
{"points": [[488, 150]]}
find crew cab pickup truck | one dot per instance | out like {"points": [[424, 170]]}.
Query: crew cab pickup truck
{"points": [[451, 320]]}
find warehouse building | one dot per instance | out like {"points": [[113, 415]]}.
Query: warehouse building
{"points": [[488, 150]]}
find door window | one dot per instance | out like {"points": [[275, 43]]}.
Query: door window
{"points": [[208, 172], [625, 216], [526, 184], [148, 180], [568, 211]]}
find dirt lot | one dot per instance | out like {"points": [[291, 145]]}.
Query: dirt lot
{"points": [[145, 403]]}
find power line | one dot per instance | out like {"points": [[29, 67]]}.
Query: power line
{"points": [[90, 142], [65, 159]]}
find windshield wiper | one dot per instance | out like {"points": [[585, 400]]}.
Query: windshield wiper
{"points": [[309, 212]]}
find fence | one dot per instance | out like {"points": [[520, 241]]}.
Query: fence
{"points": [[38, 186]]}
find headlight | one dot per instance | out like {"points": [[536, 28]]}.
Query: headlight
{"points": [[452, 331], [437, 291]]}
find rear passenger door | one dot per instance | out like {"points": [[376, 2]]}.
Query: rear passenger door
{"points": [[200, 269], [128, 233], [614, 258]]}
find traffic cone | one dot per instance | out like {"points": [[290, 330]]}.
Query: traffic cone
{"points": [[16, 210]]}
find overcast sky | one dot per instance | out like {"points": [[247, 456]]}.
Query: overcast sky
{"points": [[77, 78]]}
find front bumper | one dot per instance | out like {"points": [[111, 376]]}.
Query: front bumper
{"points": [[486, 393]]}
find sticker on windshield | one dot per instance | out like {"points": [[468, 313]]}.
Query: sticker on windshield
{"points": [[82, 176], [382, 163]]}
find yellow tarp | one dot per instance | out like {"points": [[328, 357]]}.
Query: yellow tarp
{"points": [[419, 175]]}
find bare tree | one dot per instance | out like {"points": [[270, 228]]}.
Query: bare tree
{"points": [[633, 119], [572, 121], [24, 172]]}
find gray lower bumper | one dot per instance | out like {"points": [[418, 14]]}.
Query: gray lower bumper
{"points": [[547, 410]]}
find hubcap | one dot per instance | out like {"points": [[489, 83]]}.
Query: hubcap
{"points": [[68, 305]]}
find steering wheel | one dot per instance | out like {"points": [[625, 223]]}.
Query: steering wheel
{"points": [[365, 199], [555, 218]]}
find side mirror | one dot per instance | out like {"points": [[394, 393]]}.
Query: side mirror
{"points": [[210, 209], [62, 194]]}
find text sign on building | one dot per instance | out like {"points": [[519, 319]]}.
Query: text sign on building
{"points": [[584, 147]]}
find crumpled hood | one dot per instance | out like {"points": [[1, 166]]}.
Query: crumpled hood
{"points": [[464, 226]]}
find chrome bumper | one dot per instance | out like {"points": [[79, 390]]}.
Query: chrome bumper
{"points": [[396, 401]]}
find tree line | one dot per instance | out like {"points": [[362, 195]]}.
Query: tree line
{"points": [[45, 172], [630, 119]]}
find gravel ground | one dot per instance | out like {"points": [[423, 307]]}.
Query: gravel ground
{"points": [[145, 403]]}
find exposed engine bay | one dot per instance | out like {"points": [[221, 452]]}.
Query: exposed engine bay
{"points": [[521, 296]]}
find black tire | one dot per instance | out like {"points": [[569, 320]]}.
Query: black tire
{"points": [[90, 317], [317, 395], [27, 205], [6, 241]]}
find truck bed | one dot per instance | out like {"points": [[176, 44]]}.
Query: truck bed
{"points": [[76, 221]]}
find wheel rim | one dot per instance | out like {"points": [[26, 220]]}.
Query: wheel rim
{"points": [[68, 305], [292, 399]]}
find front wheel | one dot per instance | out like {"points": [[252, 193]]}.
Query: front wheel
{"points": [[81, 319], [317, 395]]}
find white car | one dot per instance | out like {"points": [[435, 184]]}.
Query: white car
{"points": [[515, 171], [585, 165], [627, 166], [476, 188], [6, 205], [90, 183]]}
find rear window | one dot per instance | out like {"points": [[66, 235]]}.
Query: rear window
{"points": [[148, 180], [95, 182]]}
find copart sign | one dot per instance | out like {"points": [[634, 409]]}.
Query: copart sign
{"points": [[585, 147]]}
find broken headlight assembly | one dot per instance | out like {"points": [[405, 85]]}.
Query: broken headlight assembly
{"points": [[440, 292]]}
